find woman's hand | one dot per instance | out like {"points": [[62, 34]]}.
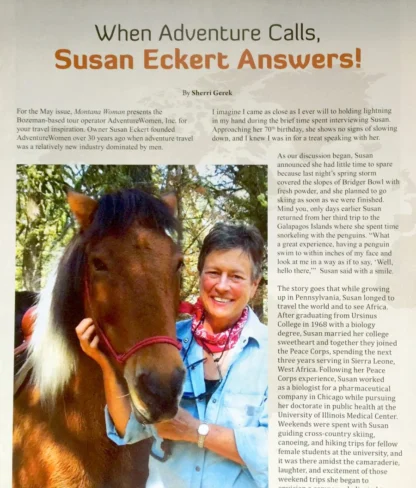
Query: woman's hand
{"points": [[89, 341], [183, 427]]}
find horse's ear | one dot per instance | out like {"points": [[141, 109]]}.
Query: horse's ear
{"points": [[82, 206], [170, 200]]}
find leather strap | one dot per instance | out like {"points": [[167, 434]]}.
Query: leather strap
{"points": [[122, 357]]}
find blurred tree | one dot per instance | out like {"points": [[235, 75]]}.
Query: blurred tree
{"points": [[44, 223], [241, 192]]}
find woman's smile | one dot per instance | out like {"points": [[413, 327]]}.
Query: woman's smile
{"points": [[221, 300]]}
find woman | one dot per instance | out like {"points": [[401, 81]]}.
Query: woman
{"points": [[220, 431]]}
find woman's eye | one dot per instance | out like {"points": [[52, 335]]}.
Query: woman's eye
{"points": [[99, 265]]}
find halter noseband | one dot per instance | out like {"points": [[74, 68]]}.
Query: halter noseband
{"points": [[122, 358]]}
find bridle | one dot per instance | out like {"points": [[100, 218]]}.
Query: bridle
{"points": [[122, 357], [29, 315]]}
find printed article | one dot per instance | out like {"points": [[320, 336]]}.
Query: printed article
{"points": [[292, 117]]}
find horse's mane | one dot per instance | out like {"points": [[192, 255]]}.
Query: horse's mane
{"points": [[54, 348]]}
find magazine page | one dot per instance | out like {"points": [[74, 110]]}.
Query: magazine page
{"points": [[292, 117]]}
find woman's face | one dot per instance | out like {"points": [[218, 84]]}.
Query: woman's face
{"points": [[226, 286]]}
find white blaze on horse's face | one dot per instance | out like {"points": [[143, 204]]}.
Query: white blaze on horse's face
{"points": [[133, 286]]}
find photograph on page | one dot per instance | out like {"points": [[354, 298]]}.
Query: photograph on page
{"points": [[108, 390]]}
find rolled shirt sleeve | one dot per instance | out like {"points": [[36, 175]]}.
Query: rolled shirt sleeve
{"points": [[135, 431], [252, 445]]}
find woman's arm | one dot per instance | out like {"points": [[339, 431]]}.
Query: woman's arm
{"points": [[184, 427], [115, 392], [247, 446]]}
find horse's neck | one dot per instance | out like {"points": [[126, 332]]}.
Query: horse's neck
{"points": [[84, 397], [88, 379]]}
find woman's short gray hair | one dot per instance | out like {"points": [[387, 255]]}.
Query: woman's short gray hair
{"points": [[224, 237]]}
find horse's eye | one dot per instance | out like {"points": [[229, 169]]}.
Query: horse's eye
{"points": [[99, 265]]}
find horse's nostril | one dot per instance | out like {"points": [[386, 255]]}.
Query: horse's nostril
{"points": [[160, 393], [177, 380], [149, 383]]}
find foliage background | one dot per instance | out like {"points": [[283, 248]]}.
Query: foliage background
{"points": [[206, 194]]}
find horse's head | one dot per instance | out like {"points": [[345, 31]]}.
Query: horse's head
{"points": [[127, 268]]}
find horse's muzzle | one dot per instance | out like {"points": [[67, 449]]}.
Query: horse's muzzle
{"points": [[155, 397]]}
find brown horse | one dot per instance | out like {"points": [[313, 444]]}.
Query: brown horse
{"points": [[122, 269]]}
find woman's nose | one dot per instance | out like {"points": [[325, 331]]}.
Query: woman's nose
{"points": [[223, 282]]}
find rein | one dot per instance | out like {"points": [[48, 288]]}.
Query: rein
{"points": [[122, 358]]}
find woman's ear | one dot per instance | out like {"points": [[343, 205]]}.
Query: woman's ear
{"points": [[254, 285]]}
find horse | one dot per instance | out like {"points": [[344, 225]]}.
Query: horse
{"points": [[122, 269]]}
